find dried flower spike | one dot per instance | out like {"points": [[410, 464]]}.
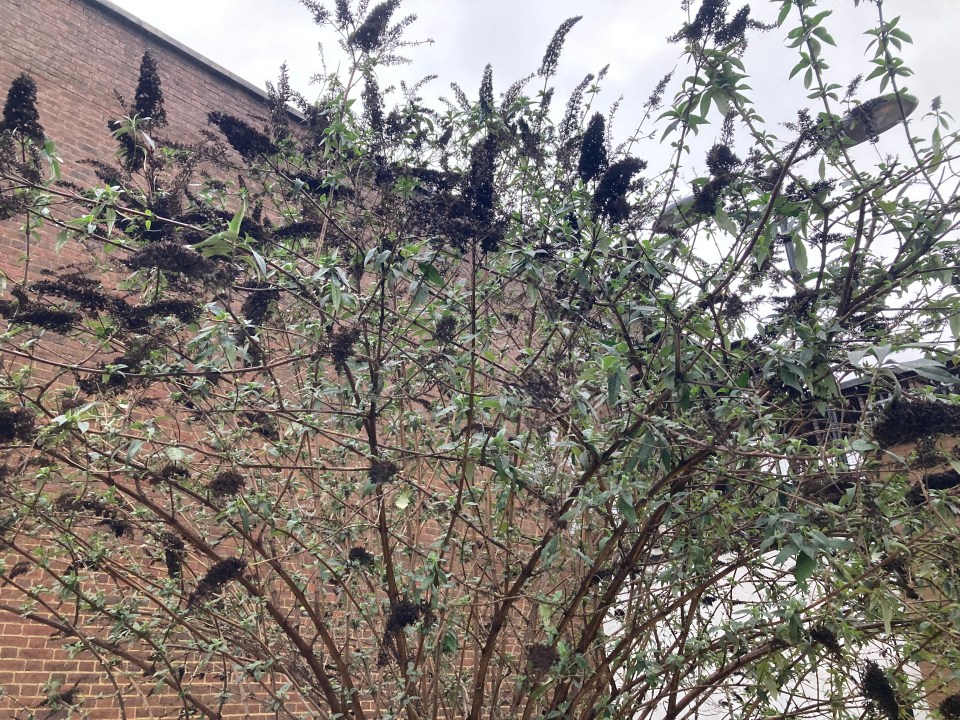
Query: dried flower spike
{"points": [[541, 657], [226, 484], [950, 707], [174, 553], [20, 109], [826, 637], [548, 66], [216, 579], [242, 136], [402, 614], [148, 101], [16, 424], [877, 687], [361, 556], [369, 36], [382, 471], [593, 149]]}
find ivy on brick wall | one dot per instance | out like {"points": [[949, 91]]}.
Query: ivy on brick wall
{"points": [[384, 409]]}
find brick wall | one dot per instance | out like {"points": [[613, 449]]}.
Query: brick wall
{"points": [[81, 53]]}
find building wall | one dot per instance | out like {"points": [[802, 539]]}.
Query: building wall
{"points": [[81, 53]]}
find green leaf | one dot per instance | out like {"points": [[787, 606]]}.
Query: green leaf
{"points": [[50, 153], [217, 245], [818, 18], [784, 12], [898, 33], [825, 36], [614, 383], [725, 222], [450, 642], [625, 507], [431, 274], [63, 237], [133, 449], [245, 518], [930, 369], [799, 66], [233, 229], [800, 255], [260, 263], [803, 570], [336, 294]]}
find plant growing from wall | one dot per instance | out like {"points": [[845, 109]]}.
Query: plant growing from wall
{"points": [[458, 412]]}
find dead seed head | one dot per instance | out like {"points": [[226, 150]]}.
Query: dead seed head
{"points": [[216, 579], [541, 657], [226, 484]]}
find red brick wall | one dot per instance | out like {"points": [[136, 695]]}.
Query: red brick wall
{"points": [[80, 54]]}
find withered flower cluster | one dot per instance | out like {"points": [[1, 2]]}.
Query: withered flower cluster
{"points": [[341, 344], [877, 687], [593, 149], [17, 424], [259, 302], [108, 514], [24, 311], [226, 484], [610, 198], [382, 471], [249, 142], [84, 291], [722, 164], [548, 66], [89, 295], [174, 553], [361, 556], [137, 317], [445, 329], [486, 91], [862, 116], [216, 579], [172, 257], [710, 22], [905, 419], [799, 305], [481, 188], [302, 229], [148, 100], [826, 637], [372, 103], [403, 613], [169, 473], [129, 363], [369, 35], [21, 568], [541, 657], [20, 112], [950, 707], [262, 423], [147, 112]]}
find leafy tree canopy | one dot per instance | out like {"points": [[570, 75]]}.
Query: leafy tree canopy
{"points": [[467, 411]]}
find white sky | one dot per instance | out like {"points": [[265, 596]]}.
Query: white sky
{"points": [[252, 37]]}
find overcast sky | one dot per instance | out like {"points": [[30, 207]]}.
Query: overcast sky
{"points": [[252, 37]]}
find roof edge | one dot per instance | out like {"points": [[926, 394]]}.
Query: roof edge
{"points": [[177, 46]]}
